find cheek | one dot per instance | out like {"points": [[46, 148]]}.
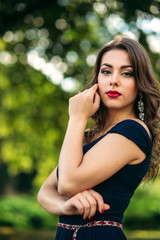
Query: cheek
{"points": [[135, 89], [132, 89], [101, 84]]}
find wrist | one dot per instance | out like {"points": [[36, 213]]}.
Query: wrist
{"points": [[80, 120], [77, 124], [61, 205]]}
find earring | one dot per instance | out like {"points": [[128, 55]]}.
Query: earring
{"points": [[141, 108]]}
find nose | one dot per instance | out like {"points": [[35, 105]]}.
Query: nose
{"points": [[114, 79]]}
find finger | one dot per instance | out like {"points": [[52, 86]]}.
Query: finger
{"points": [[86, 204], [96, 99], [94, 87], [86, 207], [100, 202], [91, 91], [93, 204], [79, 209], [106, 207]]}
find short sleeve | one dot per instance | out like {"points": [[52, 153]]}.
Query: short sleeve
{"points": [[134, 131]]}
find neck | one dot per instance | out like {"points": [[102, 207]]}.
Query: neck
{"points": [[114, 117]]}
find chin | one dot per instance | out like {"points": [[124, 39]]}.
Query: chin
{"points": [[113, 106]]}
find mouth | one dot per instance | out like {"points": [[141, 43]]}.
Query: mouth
{"points": [[113, 94]]}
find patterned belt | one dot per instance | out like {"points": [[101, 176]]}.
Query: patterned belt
{"points": [[75, 228]]}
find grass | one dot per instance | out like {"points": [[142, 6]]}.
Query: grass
{"points": [[143, 235]]}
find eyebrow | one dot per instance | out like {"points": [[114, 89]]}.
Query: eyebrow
{"points": [[122, 67]]}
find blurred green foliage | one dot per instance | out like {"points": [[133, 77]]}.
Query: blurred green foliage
{"points": [[144, 209], [32, 123], [23, 212]]}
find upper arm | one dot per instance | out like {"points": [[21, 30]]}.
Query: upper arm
{"points": [[52, 178], [102, 161]]}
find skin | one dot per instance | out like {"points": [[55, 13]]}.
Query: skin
{"points": [[74, 175], [84, 203], [116, 74]]}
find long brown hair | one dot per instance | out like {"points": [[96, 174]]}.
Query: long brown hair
{"points": [[147, 86]]}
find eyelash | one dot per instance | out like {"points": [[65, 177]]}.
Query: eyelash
{"points": [[127, 74], [105, 72]]}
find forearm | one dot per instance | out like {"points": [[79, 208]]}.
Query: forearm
{"points": [[81, 107], [54, 203], [50, 200], [71, 154]]}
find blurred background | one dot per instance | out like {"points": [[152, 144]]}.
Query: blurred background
{"points": [[47, 52]]}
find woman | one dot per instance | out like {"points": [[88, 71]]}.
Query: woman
{"points": [[106, 164]]}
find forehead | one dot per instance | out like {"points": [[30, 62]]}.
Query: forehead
{"points": [[116, 57]]}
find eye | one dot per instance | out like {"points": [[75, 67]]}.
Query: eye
{"points": [[128, 74], [105, 72]]}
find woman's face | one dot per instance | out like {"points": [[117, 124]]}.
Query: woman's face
{"points": [[117, 86]]}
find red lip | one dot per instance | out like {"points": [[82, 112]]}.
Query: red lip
{"points": [[113, 94]]}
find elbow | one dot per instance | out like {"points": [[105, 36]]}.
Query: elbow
{"points": [[66, 189], [40, 198]]}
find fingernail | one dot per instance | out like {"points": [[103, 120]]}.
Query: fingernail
{"points": [[85, 218], [102, 211], [91, 218]]}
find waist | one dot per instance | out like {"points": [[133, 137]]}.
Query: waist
{"points": [[91, 224], [76, 228], [78, 219]]}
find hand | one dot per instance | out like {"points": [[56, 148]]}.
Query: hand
{"points": [[85, 203], [85, 104]]}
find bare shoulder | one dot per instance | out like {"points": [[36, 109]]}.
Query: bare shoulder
{"points": [[144, 125]]}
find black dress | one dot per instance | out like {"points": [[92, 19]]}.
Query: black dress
{"points": [[116, 191]]}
